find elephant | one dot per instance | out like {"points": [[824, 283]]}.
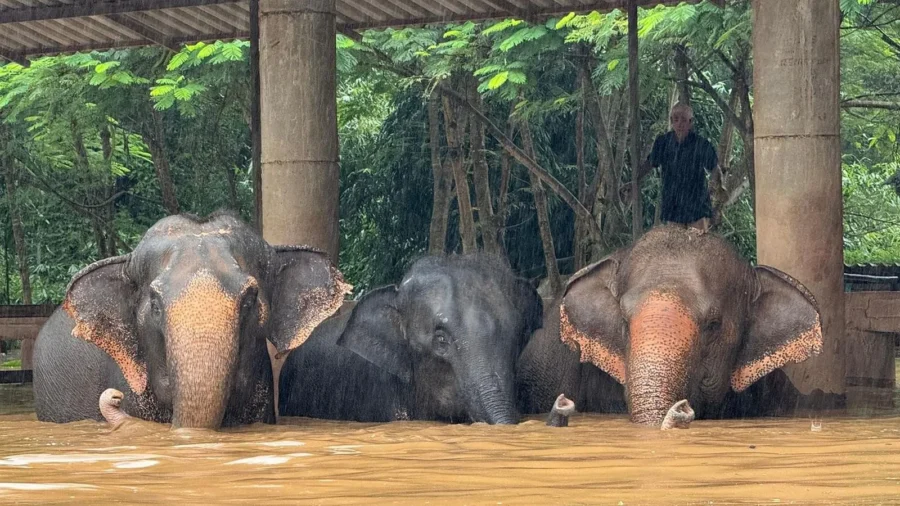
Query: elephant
{"points": [[180, 325], [442, 345], [678, 315]]}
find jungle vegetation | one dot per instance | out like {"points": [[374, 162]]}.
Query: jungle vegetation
{"points": [[446, 134]]}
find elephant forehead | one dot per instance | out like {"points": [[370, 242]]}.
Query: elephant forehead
{"points": [[204, 306], [663, 320], [204, 249]]}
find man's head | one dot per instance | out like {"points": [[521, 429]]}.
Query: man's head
{"points": [[682, 119]]}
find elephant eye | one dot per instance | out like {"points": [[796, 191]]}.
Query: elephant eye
{"points": [[155, 306], [712, 325], [441, 342], [249, 299]]}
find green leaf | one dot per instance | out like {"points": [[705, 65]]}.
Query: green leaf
{"points": [[98, 79], [165, 102], [178, 60], [517, 77], [562, 23], [206, 52], [498, 80], [103, 67], [612, 65], [502, 25], [488, 69], [522, 35], [161, 90], [234, 52]]}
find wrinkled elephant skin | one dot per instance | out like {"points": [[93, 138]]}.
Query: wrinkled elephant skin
{"points": [[441, 345], [180, 325], [680, 315]]}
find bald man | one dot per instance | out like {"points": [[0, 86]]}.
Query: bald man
{"points": [[684, 159]]}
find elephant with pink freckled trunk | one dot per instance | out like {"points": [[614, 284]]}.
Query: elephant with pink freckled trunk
{"points": [[180, 325], [678, 315]]}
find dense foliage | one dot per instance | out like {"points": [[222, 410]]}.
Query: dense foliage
{"points": [[96, 147]]}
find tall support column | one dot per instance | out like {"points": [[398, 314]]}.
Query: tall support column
{"points": [[300, 174], [299, 144], [796, 118]]}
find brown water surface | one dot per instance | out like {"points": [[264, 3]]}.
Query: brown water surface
{"points": [[597, 460]]}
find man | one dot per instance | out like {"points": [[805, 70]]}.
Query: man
{"points": [[684, 158]]}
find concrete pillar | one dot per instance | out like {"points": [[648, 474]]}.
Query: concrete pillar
{"points": [[799, 211], [300, 174], [298, 126]]}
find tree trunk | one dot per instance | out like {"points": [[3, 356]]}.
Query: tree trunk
{"points": [[637, 202], [682, 89], [502, 200], [154, 137], [718, 190], [255, 135], [581, 248], [11, 176], [437, 234], [454, 127], [232, 188], [486, 221], [108, 193], [543, 214]]}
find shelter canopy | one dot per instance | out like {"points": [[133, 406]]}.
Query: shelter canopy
{"points": [[36, 27]]}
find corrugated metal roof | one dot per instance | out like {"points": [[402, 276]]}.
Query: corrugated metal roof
{"points": [[34, 27]]}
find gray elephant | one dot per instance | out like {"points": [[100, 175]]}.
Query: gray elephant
{"points": [[180, 325], [678, 315], [441, 345]]}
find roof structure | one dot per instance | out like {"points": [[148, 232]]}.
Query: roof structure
{"points": [[38, 27]]}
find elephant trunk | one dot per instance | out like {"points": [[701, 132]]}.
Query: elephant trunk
{"points": [[664, 340], [494, 399], [203, 326]]}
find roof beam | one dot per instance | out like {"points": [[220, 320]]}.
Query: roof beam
{"points": [[531, 14], [237, 34], [88, 8], [144, 31], [13, 56]]}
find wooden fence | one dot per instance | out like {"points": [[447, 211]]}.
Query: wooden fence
{"points": [[22, 323]]}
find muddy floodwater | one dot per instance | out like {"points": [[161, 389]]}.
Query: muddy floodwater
{"points": [[598, 459]]}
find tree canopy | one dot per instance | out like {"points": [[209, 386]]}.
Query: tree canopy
{"points": [[505, 136]]}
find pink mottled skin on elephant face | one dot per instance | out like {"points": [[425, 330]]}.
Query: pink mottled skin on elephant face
{"points": [[592, 350], [111, 337], [807, 344], [664, 337]]}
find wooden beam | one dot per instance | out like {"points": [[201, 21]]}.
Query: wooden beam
{"points": [[144, 31], [42, 50], [529, 14], [15, 376], [88, 8], [13, 56]]}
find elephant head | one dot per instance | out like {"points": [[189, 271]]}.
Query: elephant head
{"points": [[453, 330], [680, 315], [188, 310]]}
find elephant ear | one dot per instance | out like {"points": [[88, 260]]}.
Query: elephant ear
{"points": [[532, 311], [99, 300], [375, 332], [591, 319], [784, 328], [307, 289]]}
